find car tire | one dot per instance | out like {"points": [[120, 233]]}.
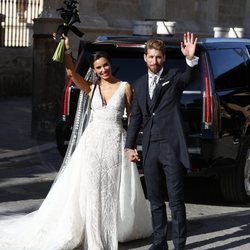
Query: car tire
{"points": [[62, 137], [235, 184]]}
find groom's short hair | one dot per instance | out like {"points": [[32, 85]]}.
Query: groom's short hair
{"points": [[155, 44]]}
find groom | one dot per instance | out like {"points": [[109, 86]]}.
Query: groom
{"points": [[155, 108]]}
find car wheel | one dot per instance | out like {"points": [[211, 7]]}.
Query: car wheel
{"points": [[62, 138], [235, 184]]}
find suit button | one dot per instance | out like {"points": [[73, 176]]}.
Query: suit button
{"points": [[153, 114]]}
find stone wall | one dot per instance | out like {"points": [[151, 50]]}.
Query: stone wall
{"points": [[201, 16], [112, 17], [231, 12], [15, 71], [120, 13]]}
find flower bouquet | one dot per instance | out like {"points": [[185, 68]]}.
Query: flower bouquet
{"points": [[69, 14], [59, 52]]}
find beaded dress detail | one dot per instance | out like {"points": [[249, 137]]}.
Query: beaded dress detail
{"points": [[96, 201]]}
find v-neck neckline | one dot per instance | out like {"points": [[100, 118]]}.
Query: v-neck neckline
{"points": [[104, 102]]}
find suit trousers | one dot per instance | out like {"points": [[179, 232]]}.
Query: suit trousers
{"points": [[162, 169]]}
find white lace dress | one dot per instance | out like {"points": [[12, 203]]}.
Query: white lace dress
{"points": [[97, 200]]}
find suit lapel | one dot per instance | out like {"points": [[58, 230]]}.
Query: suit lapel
{"points": [[144, 92]]}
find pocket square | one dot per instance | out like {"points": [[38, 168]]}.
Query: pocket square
{"points": [[165, 83]]}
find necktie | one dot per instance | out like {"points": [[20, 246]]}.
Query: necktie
{"points": [[152, 85]]}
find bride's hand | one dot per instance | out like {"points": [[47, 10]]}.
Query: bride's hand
{"points": [[133, 155], [64, 37], [66, 41]]}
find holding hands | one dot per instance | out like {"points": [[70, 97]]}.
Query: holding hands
{"points": [[133, 155], [188, 46]]}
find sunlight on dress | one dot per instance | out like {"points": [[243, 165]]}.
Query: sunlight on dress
{"points": [[96, 201]]}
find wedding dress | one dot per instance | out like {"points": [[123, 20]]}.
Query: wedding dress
{"points": [[96, 201]]}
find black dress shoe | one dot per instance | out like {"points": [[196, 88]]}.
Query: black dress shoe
{"points": [[159, 247]]}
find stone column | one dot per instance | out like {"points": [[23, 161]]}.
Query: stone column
{"points": [[48, 76]]}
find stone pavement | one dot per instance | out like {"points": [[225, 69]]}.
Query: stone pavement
{"points": [[15, 127], [28, 167], [16, 142]]}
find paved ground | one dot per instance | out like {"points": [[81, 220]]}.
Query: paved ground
{"points": [[15, 124], [28, 167]]}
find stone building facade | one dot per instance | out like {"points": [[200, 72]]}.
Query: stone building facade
{"points": [[113, 17], [199, 16], [107, 17]]}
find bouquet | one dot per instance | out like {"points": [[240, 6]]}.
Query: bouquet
{"points": [[59, 52], [69, 14]]}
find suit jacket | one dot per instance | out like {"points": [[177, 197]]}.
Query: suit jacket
{"points": [[164, 111]]}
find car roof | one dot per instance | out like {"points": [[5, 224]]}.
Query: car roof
{"points": [[169, 40], [172, 42]]}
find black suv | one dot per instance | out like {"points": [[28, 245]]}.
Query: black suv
{"points": [[215, 106]]}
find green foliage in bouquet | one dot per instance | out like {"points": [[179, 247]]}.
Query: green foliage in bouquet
{"points": [[59, 52]]}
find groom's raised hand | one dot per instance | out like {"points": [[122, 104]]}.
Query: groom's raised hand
{"points": [[188, 46]]}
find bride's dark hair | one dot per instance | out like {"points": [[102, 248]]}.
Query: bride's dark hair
{"points": [[97, 55]]}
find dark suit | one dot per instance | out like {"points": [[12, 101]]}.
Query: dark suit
{"points": [[164, 149]]}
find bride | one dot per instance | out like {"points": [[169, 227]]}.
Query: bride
{"points": [[96, 200]]}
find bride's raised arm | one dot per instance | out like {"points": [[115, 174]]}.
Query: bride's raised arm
{"points": [[70, 69]]}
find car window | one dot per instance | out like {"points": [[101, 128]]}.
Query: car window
{"points": [[128, 63], [175, 59], [130, 66], [229, 68]]}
